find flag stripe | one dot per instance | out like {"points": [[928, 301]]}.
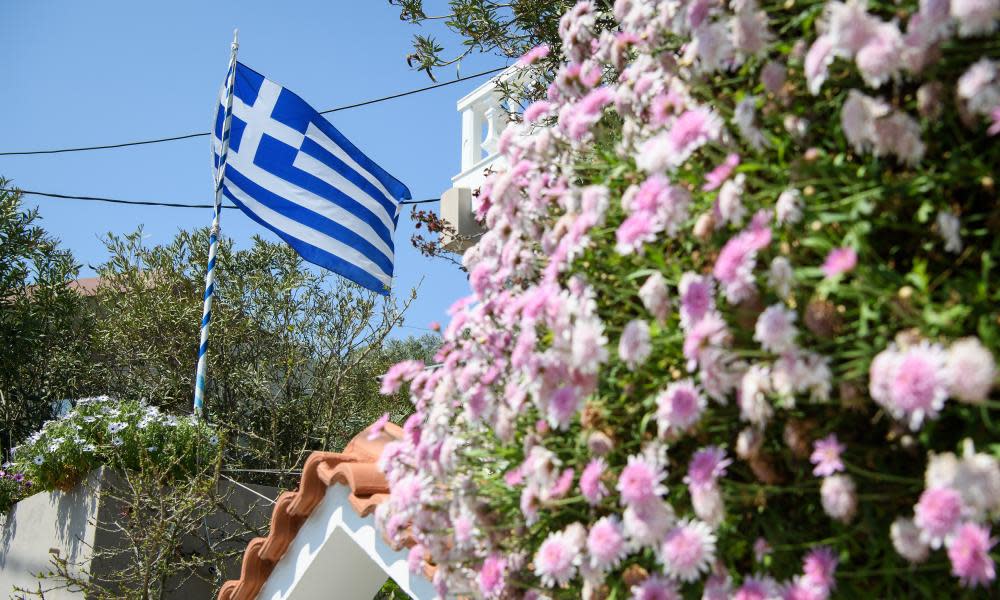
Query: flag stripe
{"points": [[353, 182], [279, 203], [324, 173], [309, 201], [311, 246], [279, 160], [323, 141]]}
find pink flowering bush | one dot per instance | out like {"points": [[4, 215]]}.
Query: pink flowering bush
{"points": [[734, 323]]}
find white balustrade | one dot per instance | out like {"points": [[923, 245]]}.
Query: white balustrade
{"points": [[484, 118]]}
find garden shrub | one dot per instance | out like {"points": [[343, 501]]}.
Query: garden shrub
{"points": [[733, 324], [125, 435]]}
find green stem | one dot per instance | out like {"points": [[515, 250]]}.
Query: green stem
{"points": [[882, 476]]}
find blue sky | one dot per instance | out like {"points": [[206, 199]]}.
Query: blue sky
{"points": [[94, 73]]}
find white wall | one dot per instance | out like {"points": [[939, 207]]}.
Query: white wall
{"points": [[338, 554], [65, 521], [36, 525]]}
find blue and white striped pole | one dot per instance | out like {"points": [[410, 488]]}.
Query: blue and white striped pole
{"points": [[213, 240]]}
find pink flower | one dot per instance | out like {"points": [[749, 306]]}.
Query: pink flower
{"points": [[840, 261], [398, 373], [775, 329], [491, 576], [688, 550], [706, 466], [579, 118], [849, 26], [408, 491], [641, 481], [697, 297], [691, 130], [881, 57], [533, 55], [635, 346], [591, 486], [670, 149], [971, 370], [376, 429], [788, 209], [911, 385], [514, 476], [735, 264], [563, 406], [920, 382], [463, 526], [711, 47], [647, 523], [708, 504], [655, 297], [655, 200], [819, 567], [734, 268], [562, 485], [720, 173], [656, 588], [839, 498], [679, 406], [729, 203], [756, 588], [717, 587], [536, 110], [710, 330], [975, 17], [755, 387], [969, 553], [801, 589], [558, 556], [817, 61], [826, 456], [606, 544], [415, 559], [937, 514], [646, 198], [906, 540], [634, 231], [663, 106]]}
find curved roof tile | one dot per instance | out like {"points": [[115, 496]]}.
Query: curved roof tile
{"points": [[356, 467]]}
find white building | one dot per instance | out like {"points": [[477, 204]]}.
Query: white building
{"points": [[484, 118]]}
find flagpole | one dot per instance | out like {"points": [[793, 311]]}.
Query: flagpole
{"points": [[213, 239]]}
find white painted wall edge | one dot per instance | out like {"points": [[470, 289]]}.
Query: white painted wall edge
{"points": [[337, 554]]}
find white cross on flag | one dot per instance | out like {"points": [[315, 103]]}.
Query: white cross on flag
{"points": [[290, 170]]}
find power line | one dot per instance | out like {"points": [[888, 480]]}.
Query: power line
{"points": [[149, 202], [205, 133]]}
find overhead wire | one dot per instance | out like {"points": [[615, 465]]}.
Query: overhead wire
{"points": [[205, 133], [149, 202]]}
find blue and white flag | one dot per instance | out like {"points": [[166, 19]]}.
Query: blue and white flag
{"points": [[290, 170]]}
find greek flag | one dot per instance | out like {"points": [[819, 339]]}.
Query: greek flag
{"points": [[290, 170]]}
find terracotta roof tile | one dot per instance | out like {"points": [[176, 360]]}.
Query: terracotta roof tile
{"points": [[356, 467], [87, 286]]}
